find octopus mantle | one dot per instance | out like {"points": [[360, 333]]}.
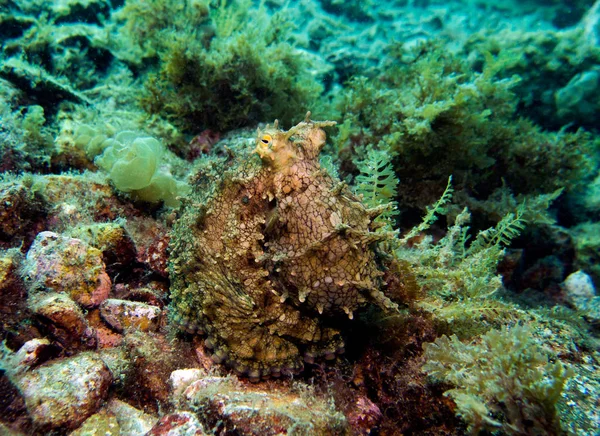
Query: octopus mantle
{"points": [[268, 252]]}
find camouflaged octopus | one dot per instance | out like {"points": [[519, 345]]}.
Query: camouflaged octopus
{"points": [[269, 252]]}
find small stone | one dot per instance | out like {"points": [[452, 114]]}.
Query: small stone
{"points": [[102, 423], [132, 421], [68, 265], [578, 287], [124, 315], [581, 294], [64, 319], [63, 394], [178, 424]]}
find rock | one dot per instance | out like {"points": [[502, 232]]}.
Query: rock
{"points": [[581, 294], [154, 358], [38, 84], [7, 431], [63, 394], [579, 288], [364, 416], [78, 11], [111, 238], [151, 240], [64, 320], [226, 404], [124, 315], [106, 337], [591, 25], [13, 301], [182, 378], [102, 423], [178, 424], [119, 363], [132, 421], [67, 265], [13, 413], [19, 208], [32, 353], [579, 99]]}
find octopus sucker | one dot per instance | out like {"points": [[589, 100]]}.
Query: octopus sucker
{"points": [[270, 252]]}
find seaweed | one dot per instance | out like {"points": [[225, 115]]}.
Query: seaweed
{"points": [[505, 381], [229, 72]]}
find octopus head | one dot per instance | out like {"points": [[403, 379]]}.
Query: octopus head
{"points": [[279, 149]]}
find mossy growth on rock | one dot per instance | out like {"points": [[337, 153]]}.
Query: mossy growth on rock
{"points": [[230, 65]]}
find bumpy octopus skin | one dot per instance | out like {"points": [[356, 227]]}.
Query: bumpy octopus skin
{"points": [[269, 252]]}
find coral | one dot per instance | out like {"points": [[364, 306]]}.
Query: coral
{"points": [[265, 254], [505, 381]]}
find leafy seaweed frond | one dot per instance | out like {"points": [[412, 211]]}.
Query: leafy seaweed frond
{"points": [[432, 213], [377, 183], [506, 230], [327, 162]]}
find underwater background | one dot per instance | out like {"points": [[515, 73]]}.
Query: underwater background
{"points": [[167, 270]]}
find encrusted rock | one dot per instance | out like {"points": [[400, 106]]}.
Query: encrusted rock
{"points": [[64, 393], [32, 353], [13, 301], [123, 315], [178, 424], [226, 404], [37, 83], [132, 421], [119, 363], [18, 209], [61, 264], [182, 378], [102, 423], [151, 241], [64, 319], [153, 359], [267, 256]]}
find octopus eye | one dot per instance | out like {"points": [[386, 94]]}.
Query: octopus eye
{"points": [[266, 139]]}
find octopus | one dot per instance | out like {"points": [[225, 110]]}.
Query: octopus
{"points": [[270, 253]]}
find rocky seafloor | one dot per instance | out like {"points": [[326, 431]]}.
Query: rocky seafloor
{"points": [[117, 117]]}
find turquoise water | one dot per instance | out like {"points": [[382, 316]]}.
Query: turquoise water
{"points": [[463, 134]]}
